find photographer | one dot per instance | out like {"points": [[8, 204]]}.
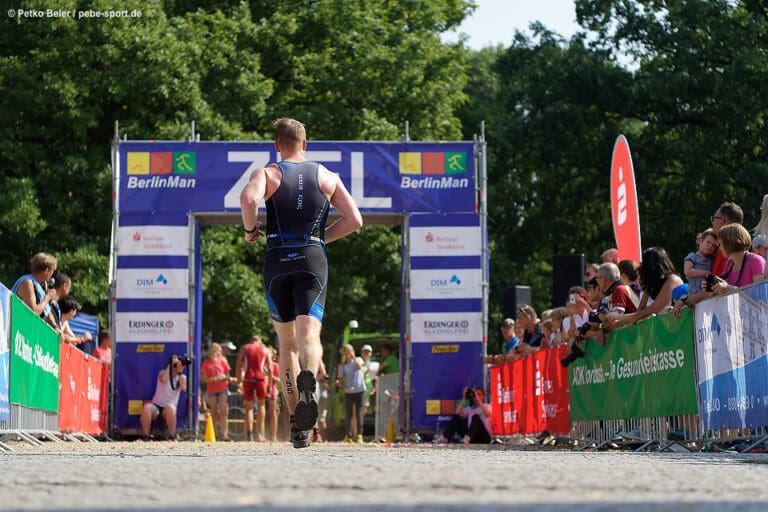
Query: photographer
{"points": [[472, 421], [170, 383]]}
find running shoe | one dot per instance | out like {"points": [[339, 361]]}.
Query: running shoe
{"points": [[300, 438], [305, 415]]}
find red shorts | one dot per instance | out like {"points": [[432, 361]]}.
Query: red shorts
{"points": [[259, 387]]}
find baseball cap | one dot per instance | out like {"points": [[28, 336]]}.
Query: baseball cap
{"points": [[508, 322], [759, 241], [366, 347], [228, 344]]}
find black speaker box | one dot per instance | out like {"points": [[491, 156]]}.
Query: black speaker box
{"points": [[567, 271], [512, 298]]}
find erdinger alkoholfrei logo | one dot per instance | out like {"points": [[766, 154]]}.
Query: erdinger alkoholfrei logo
{"points": [[444, 170], [446, 327], [161, 169], [148, 327]]}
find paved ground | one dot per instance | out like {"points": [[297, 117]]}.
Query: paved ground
{"points": [[350, 478]]}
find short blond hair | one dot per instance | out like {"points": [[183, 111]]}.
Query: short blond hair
{"points": [[215, 347], [43, 261], [734, 238], [289, 133]]}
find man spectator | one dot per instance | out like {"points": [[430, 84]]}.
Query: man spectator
{"points": [[69, 307], [33, 290], [104, 350], [610, 256], [590, 272], [577, 312], [389, 361], [250, 372], [617, 298], [472, 421], [171, 381], [509, 342], [62, 284], [728, 213], [531, 342], [227, 347]]}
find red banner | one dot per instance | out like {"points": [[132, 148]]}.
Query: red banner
{"points": [[624, 212], [83, 390], [530, 395]]}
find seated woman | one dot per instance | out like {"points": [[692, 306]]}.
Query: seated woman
{"points": [[658, 279]]}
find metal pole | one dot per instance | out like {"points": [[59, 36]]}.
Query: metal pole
{"points": [[482, 160], [407, 134], [406, 384], [115, 155]]}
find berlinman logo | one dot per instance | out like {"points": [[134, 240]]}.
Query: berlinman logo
{"points": [[161, 169], [440, 170]]}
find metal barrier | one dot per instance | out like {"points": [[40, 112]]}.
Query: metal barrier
{"points": [[387, 402]]}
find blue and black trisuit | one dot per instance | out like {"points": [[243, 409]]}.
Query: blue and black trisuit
{"points": [[295, 264]]}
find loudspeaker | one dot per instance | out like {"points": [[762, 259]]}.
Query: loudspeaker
{"points": [[512, 298], [567, 271]]}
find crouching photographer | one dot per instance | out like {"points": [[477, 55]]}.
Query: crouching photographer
{"points": [[472, 421], [171, 381]]}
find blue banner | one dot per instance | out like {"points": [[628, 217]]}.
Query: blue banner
{"points": [[173, 178], [5, 355]]}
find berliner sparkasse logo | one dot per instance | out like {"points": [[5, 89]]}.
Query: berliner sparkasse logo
{"points": [[433, 170], [161, 169]]}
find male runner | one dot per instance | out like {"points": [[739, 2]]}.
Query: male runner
{"points": [[298, 194], [251, 375]]}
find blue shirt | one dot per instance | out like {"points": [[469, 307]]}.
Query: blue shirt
{"points": [[511, 344]]}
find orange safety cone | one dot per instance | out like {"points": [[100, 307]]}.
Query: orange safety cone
{"points": [[210, 432]]}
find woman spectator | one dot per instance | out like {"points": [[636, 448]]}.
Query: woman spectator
{"points": [[214, 373], [352, 379], [658, 279], [762, 226], [745, 267]]}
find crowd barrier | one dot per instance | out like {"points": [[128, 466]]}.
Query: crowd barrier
{"points": [[662, 384], [47, 389]]}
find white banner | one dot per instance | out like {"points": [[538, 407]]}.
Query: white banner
{"points": [[445, 241], [446, 327], [462, 283], [164, 283], [153, 241], [151, 327]]}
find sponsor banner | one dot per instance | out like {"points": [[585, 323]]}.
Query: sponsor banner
{"points": [[530, 395], [173, 177], [151, 327], [153, 240], [446, 327], [5, 355], [136, 380], [34, 381], [732, 359], [643, 371], [163, 283], [624, 211], [83, 393], [445, 241], [446, 284], [440, 374]]}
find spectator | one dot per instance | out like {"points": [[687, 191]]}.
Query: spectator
{"points": [[698, 265], [593, 292], [616, 299], [389, 361], [69, 308], [557, 336], [352, 380], [272, 393], [762, 227], [250, 371], [33, 290], [577, 311], [214, 373], [509, 340], [745, 267], [370, 369], [610, 256], [658, 279], [104, 350], [531, 342], [171, 381], [760, 245], [590, 272], [728, 213], [628, 274], [62, 284], [472, 421], [227, 347]]}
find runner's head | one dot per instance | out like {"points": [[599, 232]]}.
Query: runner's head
{"points": [[289, 134]]}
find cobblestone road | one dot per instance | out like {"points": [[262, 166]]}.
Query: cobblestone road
{"points": [[347, 478]]}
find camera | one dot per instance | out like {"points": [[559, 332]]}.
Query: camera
{"points": [[185, 361], [709, 282], [575, 353], [469, 394], [51, 283]]}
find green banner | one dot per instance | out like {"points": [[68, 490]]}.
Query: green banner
{"points": [[643, 371], [34, 360]]}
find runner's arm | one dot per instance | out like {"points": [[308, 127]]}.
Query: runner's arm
{"points": [[252, 193], [350, 219]]}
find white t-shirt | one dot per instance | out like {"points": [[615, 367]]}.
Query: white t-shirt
{"points": [[578, 319], [471, 411]]}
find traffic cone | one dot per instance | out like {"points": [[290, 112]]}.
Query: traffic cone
{"points": [[390, 430], [210, 432]]}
